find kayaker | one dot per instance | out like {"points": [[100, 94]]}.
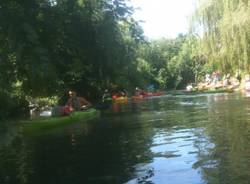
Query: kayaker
{"points": [[137, 91], [226, 80], [238, 76], [119, 92], [77, 103], [208, 79], [189, 87], [106, 95], [123, 93]]}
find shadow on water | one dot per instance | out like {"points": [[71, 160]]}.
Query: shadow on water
{"points": [[173, 139]]}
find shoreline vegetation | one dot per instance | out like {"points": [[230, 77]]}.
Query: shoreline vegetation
{"points": [[87, 46]]}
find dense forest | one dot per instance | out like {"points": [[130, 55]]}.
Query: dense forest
{"points": [[50, 46]]}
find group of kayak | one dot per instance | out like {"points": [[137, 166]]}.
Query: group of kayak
{"points": [[78, 109], [121, 96]]}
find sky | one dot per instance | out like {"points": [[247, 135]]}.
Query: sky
{"points": [[163, 18]]}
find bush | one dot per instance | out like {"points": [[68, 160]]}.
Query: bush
{"points": [[13, 107]]}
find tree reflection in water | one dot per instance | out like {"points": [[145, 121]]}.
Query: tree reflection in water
{"points": [[174, 139]]}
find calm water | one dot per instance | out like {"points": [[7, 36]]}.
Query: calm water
{"points": [[168, 140]]}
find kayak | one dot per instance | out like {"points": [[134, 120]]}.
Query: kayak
{"points": [[152, 94], [146, 95], [43, 124], [137, 97], [122, 99], [107, 100]]}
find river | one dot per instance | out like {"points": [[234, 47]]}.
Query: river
{"points": [[185, 139]]}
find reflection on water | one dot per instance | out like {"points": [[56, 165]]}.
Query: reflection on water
{"points": [[173, 139]]}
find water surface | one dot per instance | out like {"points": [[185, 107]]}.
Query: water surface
{"points": [[172, 139]]}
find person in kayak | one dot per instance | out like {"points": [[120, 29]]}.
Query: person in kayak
{"points": [[106, 95], [139, 92], [77, 103], [117, 92]]}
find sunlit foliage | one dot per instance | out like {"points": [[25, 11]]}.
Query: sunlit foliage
{"points": [[226, 33]]}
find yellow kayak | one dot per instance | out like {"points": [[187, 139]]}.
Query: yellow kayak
{"points": [[122, 99]]}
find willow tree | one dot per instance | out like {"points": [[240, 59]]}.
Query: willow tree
{"points": [[226, 33]]}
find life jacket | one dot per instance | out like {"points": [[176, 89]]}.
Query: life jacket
{"points": [[65, 111], [61, 111]]}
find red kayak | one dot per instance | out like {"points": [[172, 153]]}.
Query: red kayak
{"points": [[152, 94], [147, 94]]}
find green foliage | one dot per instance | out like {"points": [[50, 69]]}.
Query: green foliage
{"points": [[52, 46], [226, 33], [12, 106], [169, 63]]}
